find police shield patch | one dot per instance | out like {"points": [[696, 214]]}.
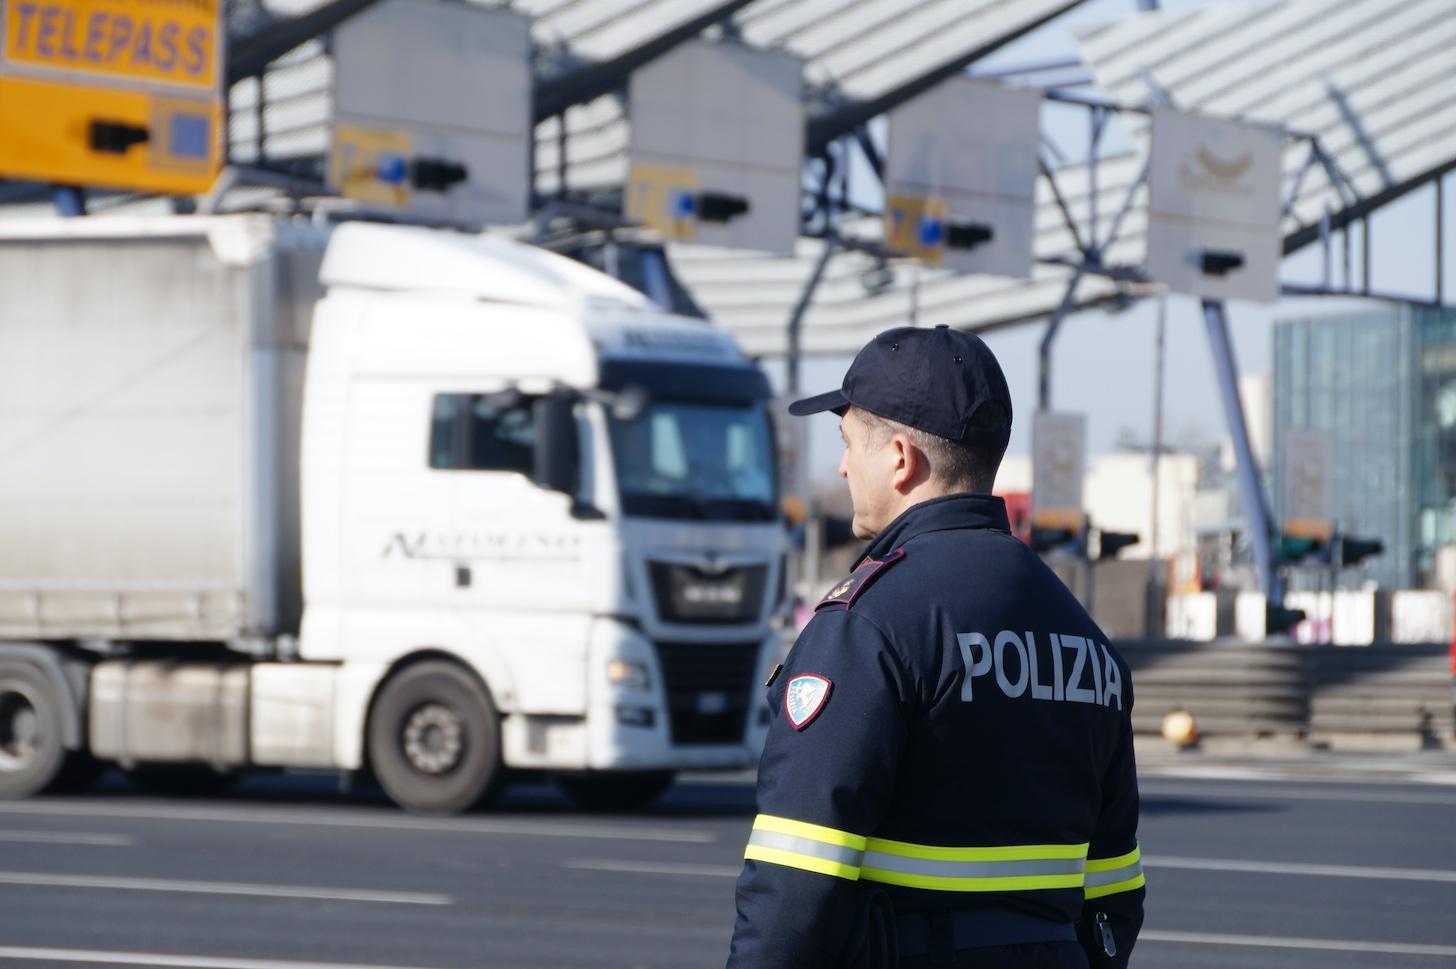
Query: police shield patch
{"points": [[805, 697]]}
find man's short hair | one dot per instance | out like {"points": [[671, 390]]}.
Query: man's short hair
{"points": [[954, 465]]}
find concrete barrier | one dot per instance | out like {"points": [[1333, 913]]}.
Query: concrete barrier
{"points": [[1237, 689], [1231, 688], [1386, 689]]}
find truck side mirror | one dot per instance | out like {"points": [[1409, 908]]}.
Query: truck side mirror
{"points": [[631, 402], [558, 455]]}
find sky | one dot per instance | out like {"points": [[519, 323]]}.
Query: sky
{"points": [[1103, 364]]}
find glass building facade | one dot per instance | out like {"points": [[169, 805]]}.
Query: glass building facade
{"points": [[1383, 382]]}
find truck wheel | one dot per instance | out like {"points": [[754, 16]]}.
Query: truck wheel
{"points": [[434, 740], [614, 790], [31, 754]]}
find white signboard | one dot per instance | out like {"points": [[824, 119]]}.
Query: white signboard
{"points": [[964, 155], [447, 139], [715, 127], [1058, 468], [1214, 207], [1308, 491]]}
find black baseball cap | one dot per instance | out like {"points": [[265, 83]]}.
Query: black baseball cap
{"points": [[931, 379]]}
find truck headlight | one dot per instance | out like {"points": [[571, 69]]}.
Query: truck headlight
{"points": [[621, 672]]}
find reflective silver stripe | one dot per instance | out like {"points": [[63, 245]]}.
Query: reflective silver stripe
{"points": [[972, 869], [1096, 879], [805, 846]]}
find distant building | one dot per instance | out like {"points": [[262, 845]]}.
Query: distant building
{"points": [[1384, 382]]}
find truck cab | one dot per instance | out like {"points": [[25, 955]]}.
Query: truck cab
{"points": [[519, 463]]}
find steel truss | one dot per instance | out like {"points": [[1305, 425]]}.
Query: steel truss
{"points": [[1090, 247]]}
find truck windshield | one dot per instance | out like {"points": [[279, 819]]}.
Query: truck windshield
{"points": [[682, 459]]}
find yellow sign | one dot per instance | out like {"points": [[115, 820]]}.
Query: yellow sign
{"points": [[1059, 518], [371, 165], [1320, 529], [168, 42], [916, 225], [121, 94], [107, 137], [664, 199]]}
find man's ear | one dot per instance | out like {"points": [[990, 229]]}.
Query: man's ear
{"points": [[909, 463]]}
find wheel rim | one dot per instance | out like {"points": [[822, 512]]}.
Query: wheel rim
{"points": [[434, 739], [21, 737]]}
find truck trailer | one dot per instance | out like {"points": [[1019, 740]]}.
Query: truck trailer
{"points": [[404, 502]]}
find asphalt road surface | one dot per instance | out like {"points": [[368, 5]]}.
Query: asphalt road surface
{"points": [[1285, 872]]}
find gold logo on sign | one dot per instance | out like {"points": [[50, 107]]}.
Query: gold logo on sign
{"points": [[1231, 169]]}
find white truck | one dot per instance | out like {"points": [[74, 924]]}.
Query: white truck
{"points": [[422, 504]]}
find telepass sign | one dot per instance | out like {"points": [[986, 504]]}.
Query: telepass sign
{"points": [[112, 93], [173, 42]]}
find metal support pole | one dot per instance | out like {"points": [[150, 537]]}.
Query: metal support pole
{"points": [[1116, 227], [260, 137], [1156, 603], [1345, 253], [1258, 522], [871, 152], [1061, 201], [796, 320], [1365, 255], [1044, 352], [915, 294], [1325, 242], [1089, 580], [561, 155], [1440, 233], [1097, 120], [809, 561]]}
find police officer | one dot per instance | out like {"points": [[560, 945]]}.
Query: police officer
{"points": [[949, 775]]}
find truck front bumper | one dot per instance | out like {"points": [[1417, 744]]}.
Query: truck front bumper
{"points": [[675, 706]]}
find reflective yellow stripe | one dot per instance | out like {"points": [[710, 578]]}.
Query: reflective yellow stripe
{"points": [[1121, 861], [815, 832], [1005, 853], [843, 854], [1125, 886], [1108, 876], [1011, 883], [792, 859]]}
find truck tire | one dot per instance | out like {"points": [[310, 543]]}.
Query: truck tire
{"points": [[434, 740], [31, 750], [614, 790]]}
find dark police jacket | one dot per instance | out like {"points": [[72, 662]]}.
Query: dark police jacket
{"points": [[953, 729]]}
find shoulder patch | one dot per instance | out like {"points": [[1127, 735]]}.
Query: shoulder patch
{"points": [[848, 589], [805, 697]]}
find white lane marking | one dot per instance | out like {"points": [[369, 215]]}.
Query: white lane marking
{"points": [[44, 879], [1347, 774], [1292, 942], [1286, 794], [262, 816], [1151, 861], [172, 961], [1299, 868], [68, 838], [653, 868]]}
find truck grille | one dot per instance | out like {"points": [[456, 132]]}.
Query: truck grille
{"points": [[690, 595], [708, 686]]}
